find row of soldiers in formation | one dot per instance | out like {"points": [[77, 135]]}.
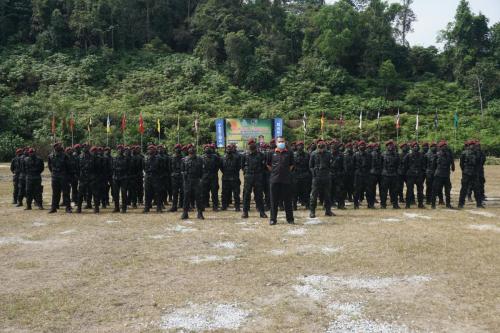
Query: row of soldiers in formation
{"points": [[326, 171]]}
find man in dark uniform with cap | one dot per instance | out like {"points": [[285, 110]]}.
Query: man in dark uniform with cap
{"points": [[33, 166], [414, 166], [349, 171], [469, 164], [280, 164], [302, 176], [87, 177], [176, 178], [390, 180], [375, 174], [253, 164], [58, 164], [320, 165], [231, 165], [72, 172], [15, 168], [337, 175], [22, 178], [402, 176], [362, 163], [192, 171], [444, 162], [120, 167], [152, 186], [210, 178]]}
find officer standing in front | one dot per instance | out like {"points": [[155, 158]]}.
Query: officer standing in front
{"points": [[253, 164], [58, 165], [192, 171]]}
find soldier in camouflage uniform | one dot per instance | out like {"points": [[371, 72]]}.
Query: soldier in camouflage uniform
{"points": [[253, 164], [72, 171], [164, 173], [22, 179], [135, 175], [320, 165]]}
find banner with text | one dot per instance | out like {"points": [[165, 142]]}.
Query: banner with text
{"points": [[238, 131]]}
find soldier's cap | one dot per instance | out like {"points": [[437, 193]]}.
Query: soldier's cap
{"points": [[404, 144], [119, 147], [94, 148], [300, 143], [251, 141], [68, 149], [189, 145], [99, 148], [348, 145], [272, 141], [433, 144], [178, 145], [77, 146], [389, 142], [425, 144], [31, 150], [19, 151], [57, 144], [320, 141], [151, 147], [413, 144], [107, 149], [442, 143], [361, 142], [212, 145]]}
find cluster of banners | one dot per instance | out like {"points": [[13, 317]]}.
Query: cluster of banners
{"points": [[239, 130]]}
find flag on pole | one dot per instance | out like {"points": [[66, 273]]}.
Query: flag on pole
{"points": [[108, 125], [72, 123], [378, 118], [90, 124], [53, 125], [455, 120], [124, 123], [398, 122], [141, 124], [158, 126], [304, 122], [416, 123], [322, 121], [178, 121], [360, 120], [436, 120]]}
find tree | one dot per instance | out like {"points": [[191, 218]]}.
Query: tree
{"points": [[388, 77], [404, 20]]}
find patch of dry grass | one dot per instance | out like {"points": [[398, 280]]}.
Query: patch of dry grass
{"points": [[123, 277]]}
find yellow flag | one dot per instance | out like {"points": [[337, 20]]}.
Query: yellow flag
{"points": [[158, 127], [322, 121]]}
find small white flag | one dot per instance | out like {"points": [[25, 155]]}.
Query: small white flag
{"points": [[360, 119], [416, 124]]}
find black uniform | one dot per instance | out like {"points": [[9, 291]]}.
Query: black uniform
{"points": [[164, 174], [210, 179], [87, 180], [176, 181], [402, 174], [302, 178], [469, 164], [481, 157], [15, 168], [415, 168], [33, 167], [192, 171], [253, 164], [320, 165], [73, 176], [444, 162], [135, 177], [121, 170], [59, 167], [375, 177], [280, 183], [362, 164], [106, 177], [390, 178], [349, 173], [430, 169], [231, 164], [152, 186], [21, 181], [337, 178]]}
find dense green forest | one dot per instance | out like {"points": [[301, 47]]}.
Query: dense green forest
{"points": [[232, 58]]}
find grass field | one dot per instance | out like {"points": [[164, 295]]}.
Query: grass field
{"points": [[361, 271]]}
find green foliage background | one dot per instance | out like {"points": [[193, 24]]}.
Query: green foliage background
{"points": [[215, 58]]}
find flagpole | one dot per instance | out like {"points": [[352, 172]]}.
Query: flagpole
{"points": [[342, 126], [197, 132], [378, 125], [416, 125], [72, 129], [178, 126]]}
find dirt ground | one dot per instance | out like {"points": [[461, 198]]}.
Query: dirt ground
{"points": [[361, 271]]}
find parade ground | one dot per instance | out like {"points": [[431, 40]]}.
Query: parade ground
{"points": [[407, 270]]}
